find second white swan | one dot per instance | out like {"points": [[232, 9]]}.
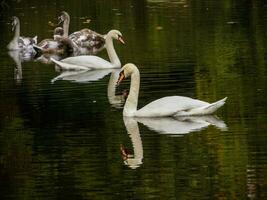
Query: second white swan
{"points": [[163, 107], [94, 62]]}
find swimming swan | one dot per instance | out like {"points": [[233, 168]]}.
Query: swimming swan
{"points": [[94, 62], [86, 40], [163, 107], [19, 42]]}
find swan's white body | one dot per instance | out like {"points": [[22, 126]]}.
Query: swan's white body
{"points": [[19, 42], [94, 62], [133, 160], [163, 107]]}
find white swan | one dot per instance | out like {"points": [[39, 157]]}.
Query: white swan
{"points": [[19, 42], [94, 62], [163, 107]]}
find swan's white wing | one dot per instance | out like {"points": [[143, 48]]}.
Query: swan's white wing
{"points": [[93, 62], [169, 106], [83, 63]]}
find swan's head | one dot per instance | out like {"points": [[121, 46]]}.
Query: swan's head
{"points": [[115, 34], [15, 22], [63, 17], [58, 32], [126, 71]]}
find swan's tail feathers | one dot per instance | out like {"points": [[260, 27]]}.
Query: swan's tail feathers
{"points": [[211, 108], [204, 110], [67, 66]]}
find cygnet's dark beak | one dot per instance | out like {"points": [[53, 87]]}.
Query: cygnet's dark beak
{"points": [[60, 19]]}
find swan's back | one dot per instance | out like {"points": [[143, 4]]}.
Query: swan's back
{"points": [[169, 106], [90, 61], [87, 38]]}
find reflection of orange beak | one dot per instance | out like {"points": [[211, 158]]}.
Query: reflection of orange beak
{"points": [[124, 153], [121, 78], [121, 40]]}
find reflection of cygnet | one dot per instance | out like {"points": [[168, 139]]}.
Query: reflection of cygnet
{"points": [[132, 160], [15, 55]]}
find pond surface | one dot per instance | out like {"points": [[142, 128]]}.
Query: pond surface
{"points": [[65, 137]]}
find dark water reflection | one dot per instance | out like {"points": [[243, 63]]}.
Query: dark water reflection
{"points": [[62, 136]]}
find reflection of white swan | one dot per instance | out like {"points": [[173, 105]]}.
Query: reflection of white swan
{"points": [[133, 160], [86, 76], [181, 125], [82, 76], [94, 62], [166, 106], [163, 125], [115, 100]]}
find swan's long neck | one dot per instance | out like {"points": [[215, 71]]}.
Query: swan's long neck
{"points": [[13, 44], [17, 32], [130, 106], [113, 57], [66, 27]]}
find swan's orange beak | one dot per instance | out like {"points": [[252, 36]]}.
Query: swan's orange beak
{"points": [[121, 40], [121, 78]]}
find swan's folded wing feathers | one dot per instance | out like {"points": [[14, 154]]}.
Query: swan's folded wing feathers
{"points": [[168, 106], [88, 61]]}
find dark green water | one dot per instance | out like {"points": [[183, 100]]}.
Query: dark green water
{"points": [[62, 140]]}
